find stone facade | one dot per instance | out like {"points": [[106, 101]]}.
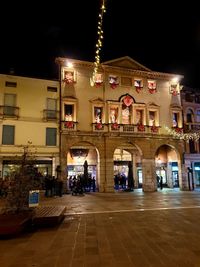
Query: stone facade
{"points": [[99, 114], [190, 99]]}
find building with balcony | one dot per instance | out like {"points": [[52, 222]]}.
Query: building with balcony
{"points": [[119, 115], [29, 119], [190, 99]]}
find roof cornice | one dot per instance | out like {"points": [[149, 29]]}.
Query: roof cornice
{"points": [[119, 70]]}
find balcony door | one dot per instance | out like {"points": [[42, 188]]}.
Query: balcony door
{"points": [[51, 108], [9, 104]]}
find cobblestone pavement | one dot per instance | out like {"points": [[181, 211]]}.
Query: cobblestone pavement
{"points": [[160, 229]]}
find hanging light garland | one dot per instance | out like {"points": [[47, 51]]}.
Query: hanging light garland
{"points": [[99, 42], [184, 136]]}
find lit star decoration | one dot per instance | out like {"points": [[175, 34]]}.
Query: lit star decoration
{"points": [[185, 136], [99, 41]]}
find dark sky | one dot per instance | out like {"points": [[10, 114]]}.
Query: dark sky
{"points": [[164, 36]]}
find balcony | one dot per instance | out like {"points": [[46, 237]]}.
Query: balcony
{"points": [[191, 126], [50, 115], [9, 112], [69, 126], [99, 127]]}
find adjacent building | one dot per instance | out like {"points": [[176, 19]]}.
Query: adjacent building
{"points": [[191, 116], [29, 120]]}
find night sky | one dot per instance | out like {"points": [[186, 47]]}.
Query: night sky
{"points": [[164, 37]]}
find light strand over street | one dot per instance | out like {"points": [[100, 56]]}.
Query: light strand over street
{"points": [[99, 40], [185, 136]]}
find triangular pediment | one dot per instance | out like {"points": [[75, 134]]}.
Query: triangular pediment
{"points": [[152, 104], [126, 62], [97, 100]]}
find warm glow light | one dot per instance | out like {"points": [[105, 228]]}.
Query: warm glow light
{"points": [[185, 136], [159, 161], [69, 65], [99, 41], [175, 80]]}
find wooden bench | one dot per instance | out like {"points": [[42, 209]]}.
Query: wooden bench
{"points": [[49, 215]]}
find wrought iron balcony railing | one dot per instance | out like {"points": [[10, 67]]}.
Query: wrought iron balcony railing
{"points": [[188, 126], [49, 114], [9, 111]]}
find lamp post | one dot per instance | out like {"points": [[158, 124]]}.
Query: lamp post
{"points": [[60, 113], [59, 62]]}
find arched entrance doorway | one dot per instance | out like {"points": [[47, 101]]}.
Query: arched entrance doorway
{"points": [[77, 155], [167, 166], [123, 156]]}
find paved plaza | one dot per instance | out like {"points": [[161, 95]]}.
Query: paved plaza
{"points": [[130, 229]]}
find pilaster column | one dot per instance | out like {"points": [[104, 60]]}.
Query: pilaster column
{"points": [[149, 175], [136, 182]]}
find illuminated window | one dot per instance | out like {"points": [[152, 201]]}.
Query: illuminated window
{"points": [[69, 112]]}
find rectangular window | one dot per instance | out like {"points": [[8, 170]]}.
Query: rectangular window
{"points": [[98, 113], [198, 116], [113, 115], [188, 97], [197, 99], [51, 134], [9, 104], [175, 120], [138, 83], [152, 118], [8, 135], [10, 84], [51, 89], [69, 76], [126, 81], [139, 116], [69, 112], [51, 108], [126, 114]]}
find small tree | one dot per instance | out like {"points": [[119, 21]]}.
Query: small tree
{"points": [[22, 181]]}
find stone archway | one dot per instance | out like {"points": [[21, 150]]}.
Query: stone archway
{"points": [[122, 156], [76, 156], [167, 162]]}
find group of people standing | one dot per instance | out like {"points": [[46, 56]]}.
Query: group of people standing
{"points": [[120, 181], [53, 186], [79, 184]]}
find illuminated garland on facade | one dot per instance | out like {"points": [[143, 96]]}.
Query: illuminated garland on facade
{"points": [[99, 40], [185, 136]]}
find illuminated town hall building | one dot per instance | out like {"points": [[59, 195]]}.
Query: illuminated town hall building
{"points": [[111, 119], [117, 116]]}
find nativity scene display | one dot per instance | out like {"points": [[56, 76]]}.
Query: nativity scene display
{"points": [[69, 77], [175, 120], [98, 112], [68, 111], [113, 115], [152, 117], [113, 81], [139, 116]]}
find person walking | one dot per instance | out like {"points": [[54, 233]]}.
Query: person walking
{"points": [[161, 182], [158, 180]]}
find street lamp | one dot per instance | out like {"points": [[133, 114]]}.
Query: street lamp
{"points": [[59, 62]]}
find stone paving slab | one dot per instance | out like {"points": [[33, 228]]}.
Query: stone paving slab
{"points": [[156, 230]]}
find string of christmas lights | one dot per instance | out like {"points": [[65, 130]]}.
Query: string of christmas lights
{"points": [[99, 40], [185, 136]]}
